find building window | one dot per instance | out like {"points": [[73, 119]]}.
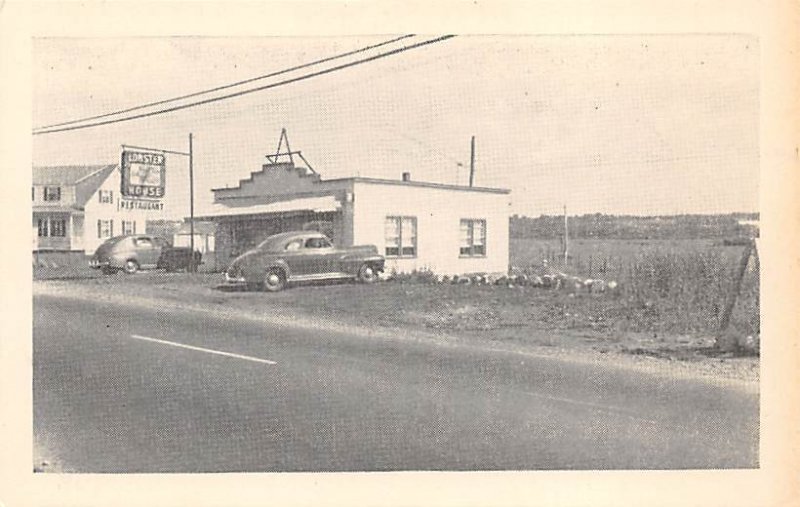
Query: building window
{"points": [[128, 227], [52, 193], [43, 229], [473, 238], [401, 236], [106, 196], [105, 229], [58, 227], [33, 193]]}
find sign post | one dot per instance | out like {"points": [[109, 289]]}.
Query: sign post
{"points": [[143, 177]]}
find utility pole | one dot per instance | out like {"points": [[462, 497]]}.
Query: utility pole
{"points": [[472, 162], [192, 264], [566, 237]]}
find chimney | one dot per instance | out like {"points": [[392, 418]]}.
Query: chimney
{"points": [[406, 176]]}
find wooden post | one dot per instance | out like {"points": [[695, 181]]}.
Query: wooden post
{"points": [[566, 237], [725, 320], [472, 162]]}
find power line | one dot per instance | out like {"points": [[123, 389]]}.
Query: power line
{"points": [[252, 90], [238, 83]]}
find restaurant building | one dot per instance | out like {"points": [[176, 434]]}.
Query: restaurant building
{"points": [[447, 229]]}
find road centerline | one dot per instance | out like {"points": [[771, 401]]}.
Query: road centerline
{"points": [[202, 349]]}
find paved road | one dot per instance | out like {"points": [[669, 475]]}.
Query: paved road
{"points": [[126, 389]]}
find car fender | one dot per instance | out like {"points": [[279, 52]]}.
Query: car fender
{"points": [[353, 262], [257, 268]]}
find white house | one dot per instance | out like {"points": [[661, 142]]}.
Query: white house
{"points": [[76, 208], [447, 229]]}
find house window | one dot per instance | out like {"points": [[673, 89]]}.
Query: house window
{"points": [[401, 236], [473, 238], [105, 229], [52, 193], [58, 227], [128, 227], [106, 196], [33, 193], [43, 228]]}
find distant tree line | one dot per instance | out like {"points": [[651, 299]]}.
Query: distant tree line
{"points": [[601, 226]]}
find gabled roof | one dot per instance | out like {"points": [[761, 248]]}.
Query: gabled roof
{"points": [[85, 178], [66, 174]]}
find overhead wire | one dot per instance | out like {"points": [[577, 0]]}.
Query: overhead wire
{"points": [[395, 51], [231, 85]]}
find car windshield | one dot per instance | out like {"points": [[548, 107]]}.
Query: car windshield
{"points": [[115, 240], [272, 244]]}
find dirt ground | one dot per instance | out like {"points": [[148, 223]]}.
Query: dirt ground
{"points": [[549, 322]]}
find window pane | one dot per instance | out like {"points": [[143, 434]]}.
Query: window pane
{"points": [[479, 232], [409, 251], [392, 227], [58, 228], [409, 236], [465, 239], [391, 230]]}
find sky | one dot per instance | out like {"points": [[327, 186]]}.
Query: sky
{"points": [[622, 124]]}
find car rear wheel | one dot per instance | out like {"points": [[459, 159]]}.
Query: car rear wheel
{"points": [[274, 280], [131, 266], [367, 274]]}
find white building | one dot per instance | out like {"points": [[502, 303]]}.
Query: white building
{"points": [[76, 208], [447, 229]]}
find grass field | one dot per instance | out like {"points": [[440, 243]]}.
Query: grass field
{"points": [[677, 286]]}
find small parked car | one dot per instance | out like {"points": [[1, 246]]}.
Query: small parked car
{"points": [[131, 253], [300, 256]]}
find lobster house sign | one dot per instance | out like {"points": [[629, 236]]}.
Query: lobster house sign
{"points": [[143, 175]]}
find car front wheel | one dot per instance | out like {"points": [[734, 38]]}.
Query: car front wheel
{"points": [[131, 267], [274, 280], [367, 274]]}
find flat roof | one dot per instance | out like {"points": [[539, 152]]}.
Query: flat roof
{"points": [[425, 184]]}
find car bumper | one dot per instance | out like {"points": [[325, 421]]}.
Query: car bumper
{"points": [[234, 280], [96, 264]]}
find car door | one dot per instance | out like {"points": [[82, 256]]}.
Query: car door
{"points": [[320, 256], [293, 254], [147, 252]]}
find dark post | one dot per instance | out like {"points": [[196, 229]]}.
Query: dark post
{"points": [[472, 162], [192, 265], [566, 236], [723, 341]]}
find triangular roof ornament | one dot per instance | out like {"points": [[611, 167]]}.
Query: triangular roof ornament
{"points": [[275, 158]]}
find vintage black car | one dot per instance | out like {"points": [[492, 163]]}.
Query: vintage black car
{"points": [[302, 256], [134, 252]]}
